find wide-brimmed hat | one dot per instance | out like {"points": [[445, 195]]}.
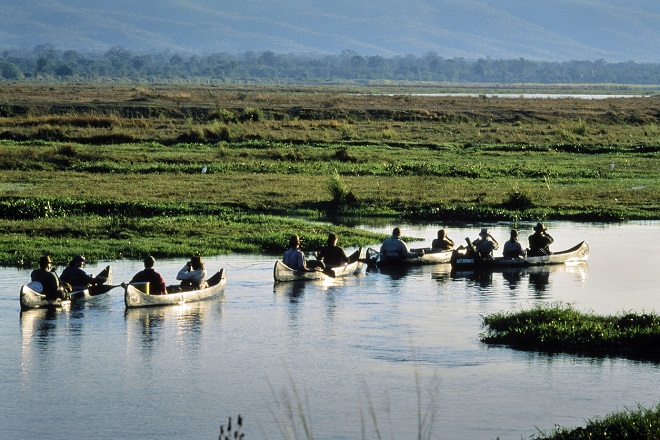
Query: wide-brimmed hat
{"points": [[78, 259], [484, 232], [539, 227]]}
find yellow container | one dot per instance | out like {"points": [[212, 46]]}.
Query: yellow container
{"points": [[142, 287]]}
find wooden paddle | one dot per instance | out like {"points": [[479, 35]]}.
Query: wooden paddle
{"points": [[470, 246]]}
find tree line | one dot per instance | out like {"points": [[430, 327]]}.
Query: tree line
{"points": [[44, 62]]}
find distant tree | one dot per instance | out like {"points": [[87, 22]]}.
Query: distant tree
{"points": [[268, 58], [118, 57], [46, 51], [139, 62], [42, 65], [70, 56], [9, 70], [63, 70]]}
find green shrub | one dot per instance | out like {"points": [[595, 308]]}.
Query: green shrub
{"points": [[518, 201]]}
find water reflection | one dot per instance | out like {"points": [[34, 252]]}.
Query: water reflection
{"points": [[149, 325], [394, 272], [185, 321], [537, 279], [292, 291], [331, 335], [39, 330]]}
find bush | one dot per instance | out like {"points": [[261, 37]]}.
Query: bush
{"points": [[518, 201], [341, 196]]}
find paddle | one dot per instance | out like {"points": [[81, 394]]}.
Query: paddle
{"points": [[471, 247]]}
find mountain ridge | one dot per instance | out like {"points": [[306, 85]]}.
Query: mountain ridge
{"points": [[560, 30]]}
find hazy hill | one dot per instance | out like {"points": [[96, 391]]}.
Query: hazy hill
{"points": [[552, 30]]}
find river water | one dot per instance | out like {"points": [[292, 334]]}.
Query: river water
{"points": [[364, 357]]}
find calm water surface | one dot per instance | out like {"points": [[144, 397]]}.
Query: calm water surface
{"points": [[339, 350]]}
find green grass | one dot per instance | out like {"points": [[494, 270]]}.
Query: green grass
{"points": [[133, 155], [162, 233], [634, 424], [559, 328]]}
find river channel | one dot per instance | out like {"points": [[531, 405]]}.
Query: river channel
{"points": [[363, 357]]}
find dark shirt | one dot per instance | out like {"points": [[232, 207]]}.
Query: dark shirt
{"points": [[77, 277], [49, 282], [539, 244], [156, 282], [332, 256]]}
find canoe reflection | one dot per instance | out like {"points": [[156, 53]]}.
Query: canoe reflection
{"points": [[185, 321], [538, 278]]}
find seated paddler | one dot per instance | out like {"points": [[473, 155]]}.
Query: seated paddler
{"points": [[394, 248], [331, 254], [193, 274], [76, 277], [540, 241], [149, 275], [295, 258], [50, 284]]}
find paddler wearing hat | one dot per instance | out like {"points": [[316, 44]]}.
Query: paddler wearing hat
{"points": [[51, 286], [540, 241], [75, 275], [485, 244]]}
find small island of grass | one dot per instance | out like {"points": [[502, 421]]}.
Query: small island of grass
{"points": [[560, 328]]}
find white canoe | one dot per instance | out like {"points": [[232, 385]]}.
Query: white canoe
{"points": [[576, 254], [429, 257], [282, 272], [134, 297], [32, 298]]}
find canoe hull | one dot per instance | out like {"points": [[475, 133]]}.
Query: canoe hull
{"points": [[133, 297], [577, 253], [283, 273], [429, 258]]}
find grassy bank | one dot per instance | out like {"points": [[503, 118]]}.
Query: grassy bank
{"points": [[559, 328], [80, 161], [637, 423]]}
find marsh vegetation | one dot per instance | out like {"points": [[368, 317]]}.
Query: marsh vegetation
{"points": [[119, 169], [558, 328]]}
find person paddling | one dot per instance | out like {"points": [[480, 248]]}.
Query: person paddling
{"points": [[540, 241], [149, 275], [295, 258], [331, 254], [394, 248], [513, 248], [51, 286], [485, 244]]}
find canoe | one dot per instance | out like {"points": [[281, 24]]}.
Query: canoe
{"points": [[283, 273], [32, 298], [429, 257], [464, 259], [134, 297]]}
